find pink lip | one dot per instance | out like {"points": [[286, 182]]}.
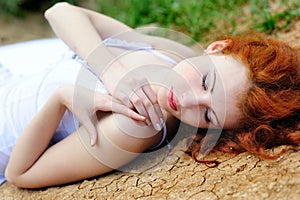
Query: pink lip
{"points": [[172, 100]]}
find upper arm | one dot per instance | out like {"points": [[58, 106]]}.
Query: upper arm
{"points": [[85, 29], [73, 158], [105, 25]]}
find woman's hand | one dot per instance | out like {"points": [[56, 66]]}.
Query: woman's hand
{"points": [[84, 103], [127, 85], [94, 27], [136, 93]]}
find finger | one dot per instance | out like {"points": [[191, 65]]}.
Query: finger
{"points": [[150, 93], [154, 112], [138, 105], [124, 98], [154, 118], [152, 97], [120, 108], [130, 113], [112, 104], [146, 103], [159, 113]]}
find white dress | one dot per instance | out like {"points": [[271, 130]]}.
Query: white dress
{"points": [[30, 72]]}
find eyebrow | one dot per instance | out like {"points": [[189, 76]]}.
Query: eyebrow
{"points": [[211, 90]]}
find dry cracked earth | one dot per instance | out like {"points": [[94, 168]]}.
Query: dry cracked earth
{"points": [[175, 176]]}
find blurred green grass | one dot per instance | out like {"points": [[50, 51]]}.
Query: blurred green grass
{"points": [[192, 17], [206, 20], [203, 20]]}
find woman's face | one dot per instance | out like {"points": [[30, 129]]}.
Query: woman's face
{"points": [[205, 91]]}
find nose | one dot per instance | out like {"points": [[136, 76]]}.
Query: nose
{"points": [[189, 99]]}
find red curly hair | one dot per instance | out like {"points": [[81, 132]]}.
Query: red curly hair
{"points": [[271, 107]]}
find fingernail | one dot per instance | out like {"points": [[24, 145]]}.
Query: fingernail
{"points": [[158, 127], [142, 117], [148, 122], [92, 142], [162, 120]]}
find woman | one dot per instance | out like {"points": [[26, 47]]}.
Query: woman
{"points": [[53, 148]]}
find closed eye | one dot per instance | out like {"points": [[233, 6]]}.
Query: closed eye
{"points": [[207, 116], [204, 82]]}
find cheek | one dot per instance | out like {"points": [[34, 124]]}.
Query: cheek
{"points": [[191, 80], [191, 73], [162, 96], [191, 116]]}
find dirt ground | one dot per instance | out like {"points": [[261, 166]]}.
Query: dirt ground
{"points": [[176, 176]]}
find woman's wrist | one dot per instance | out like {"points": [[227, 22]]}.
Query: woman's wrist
{"points": [[112, 75], [106, 66], [64, 95]]}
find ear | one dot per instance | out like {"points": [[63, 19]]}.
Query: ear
{"points": [[216, 46]]}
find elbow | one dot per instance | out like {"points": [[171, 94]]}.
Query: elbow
{"points": [[15, 179], [58, 7], [11, 178]]}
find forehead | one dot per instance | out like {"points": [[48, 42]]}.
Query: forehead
{"points": [[231, 83]]}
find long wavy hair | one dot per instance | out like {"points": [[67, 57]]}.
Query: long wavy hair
{"points": [[271, 106]]}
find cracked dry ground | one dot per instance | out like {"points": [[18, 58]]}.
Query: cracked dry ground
{"points": [[176, 176]]}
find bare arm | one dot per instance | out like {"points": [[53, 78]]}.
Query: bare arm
{"points": [[33, 164], [84, 30], [81, 29]]}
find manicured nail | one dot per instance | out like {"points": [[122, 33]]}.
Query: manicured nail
{"points": [[158, 127], [92, 142], [162, 121], [142, 117], [148, 122]]}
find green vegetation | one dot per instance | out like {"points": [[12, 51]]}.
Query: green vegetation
{"points": [[11, 6], [193, 17], [267, 20], [202, 20]]}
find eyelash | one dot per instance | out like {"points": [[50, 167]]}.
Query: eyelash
{"points": [[204, 85], [206, 116]]}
